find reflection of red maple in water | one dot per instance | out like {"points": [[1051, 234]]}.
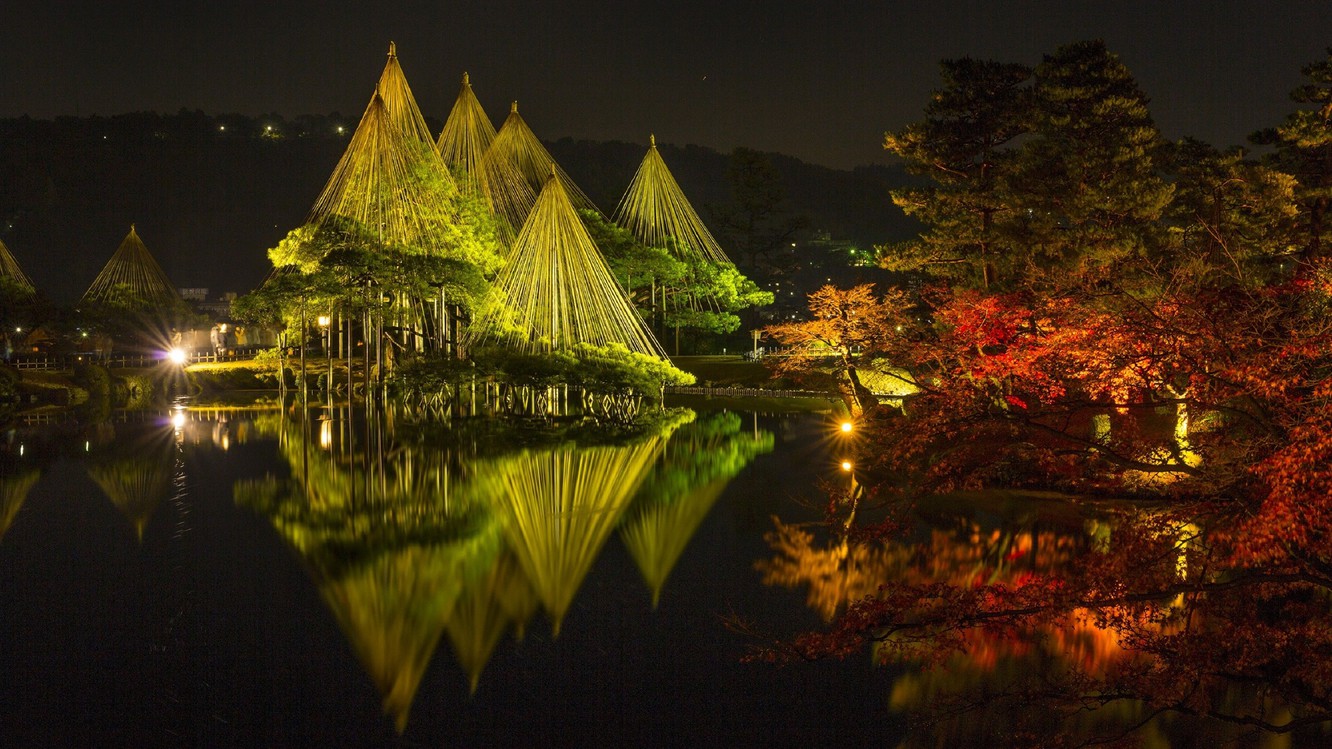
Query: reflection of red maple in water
{"points": [[1216, 405]]}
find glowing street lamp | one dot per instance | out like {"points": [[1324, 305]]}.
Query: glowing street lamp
{"points": [[846, 427], [176, 356], [846, 466]]}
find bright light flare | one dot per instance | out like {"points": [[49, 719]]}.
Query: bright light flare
{"points": [[178, 420], [846, 427], [176, 356], [846, 465]]}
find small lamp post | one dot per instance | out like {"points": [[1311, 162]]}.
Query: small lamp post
{"points": [[325, 322]]}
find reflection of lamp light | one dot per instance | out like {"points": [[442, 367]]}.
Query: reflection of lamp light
{"points": [[178, 419], [846, 465], [325, 434]]}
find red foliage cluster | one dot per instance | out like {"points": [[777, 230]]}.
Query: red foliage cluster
{"points": [[1206, 413]]}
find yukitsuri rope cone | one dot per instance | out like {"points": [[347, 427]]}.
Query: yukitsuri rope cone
{"points": [[467, 134], [390, 179], [516, 167], [654, 208], [9, 269], [131, 270], [556, 290]]}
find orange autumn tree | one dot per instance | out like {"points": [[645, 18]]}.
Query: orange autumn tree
{"points": [[1186, 377], [846, 327]]}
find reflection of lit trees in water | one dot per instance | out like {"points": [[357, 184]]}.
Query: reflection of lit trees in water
{"points": [[413, 537], [137, 472], [698, 462], [499, 599], [392, 535], [559, 506], [996, 655], [15, 483]]}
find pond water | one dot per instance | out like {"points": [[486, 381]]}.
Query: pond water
{"points": [[291, 577]]}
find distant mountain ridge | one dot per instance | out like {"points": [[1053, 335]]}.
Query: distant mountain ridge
{"points": [[211, 193]]}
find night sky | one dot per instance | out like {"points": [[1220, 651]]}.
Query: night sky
{"points": [[818, 80]]}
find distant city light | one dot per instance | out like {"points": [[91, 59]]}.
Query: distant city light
{"points": [[340, 130], [222, 128]]}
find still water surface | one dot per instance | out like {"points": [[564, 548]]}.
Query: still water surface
{"points": [[282, 577]]}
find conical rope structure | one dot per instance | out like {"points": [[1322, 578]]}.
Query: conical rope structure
{"points": [[556, 290], [655, 209], [397, 96], [558, 507], [11, 272], [131, 272], [467, 134], [515, 168]]}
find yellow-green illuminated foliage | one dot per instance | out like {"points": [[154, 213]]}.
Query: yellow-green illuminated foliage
{"points": [[515, 169], [132, 272], [10, 271], [557, 291], [392, 182], [558, 507], [13, 491], [393, 541], [655, 210], [467, 134]]}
